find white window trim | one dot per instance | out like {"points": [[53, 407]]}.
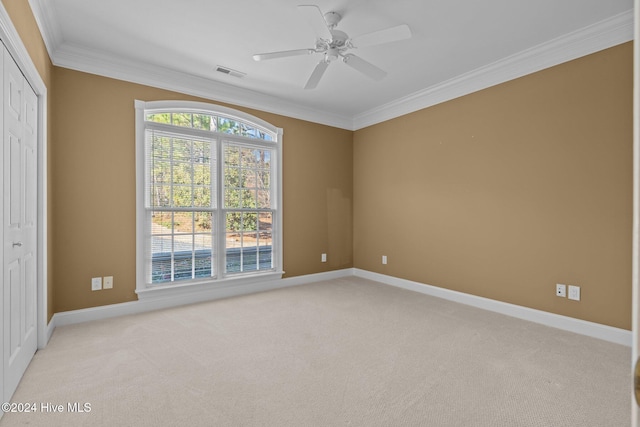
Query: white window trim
{"points": [[178, 289]]}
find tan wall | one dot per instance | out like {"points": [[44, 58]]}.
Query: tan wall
{"points": [[95, 189], [505, 192], [22, 18]]}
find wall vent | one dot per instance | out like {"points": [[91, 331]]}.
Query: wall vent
{"points": [[229, 71]]}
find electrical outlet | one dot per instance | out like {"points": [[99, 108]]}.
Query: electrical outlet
{"points": [[324, 258], [96, 283], [574, 292], [384, 259], [108, 282], [561, 290]]}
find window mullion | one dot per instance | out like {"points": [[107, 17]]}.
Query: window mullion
{"points": [[221, 249], [241, 240], [171, 160], [193, 245], [192, 172], [173, 248], [214, 203], [193, 216], [171, 194]]}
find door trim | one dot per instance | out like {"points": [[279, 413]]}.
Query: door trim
{"points": [[635, 236], [11, 39]]}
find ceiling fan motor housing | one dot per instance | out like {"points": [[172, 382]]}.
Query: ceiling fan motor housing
{"points": [[333, 48], [338, 39]]}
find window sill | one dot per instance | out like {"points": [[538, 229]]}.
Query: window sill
{"points": [[210, 289]]}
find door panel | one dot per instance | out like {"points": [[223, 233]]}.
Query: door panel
{"points": [[30, 188], [30, 296], [14, 83], [19, 224], [14, 181], [15, 291]]}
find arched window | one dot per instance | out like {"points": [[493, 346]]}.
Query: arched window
{"points": [[208, 190]]}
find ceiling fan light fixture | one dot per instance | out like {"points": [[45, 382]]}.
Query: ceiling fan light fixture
{"points": [[332, 55]]}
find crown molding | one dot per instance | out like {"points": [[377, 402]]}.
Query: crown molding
{"points": [[99, 63], [47, 21], [593, 38]]}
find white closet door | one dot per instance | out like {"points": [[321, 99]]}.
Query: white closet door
{"points": [[19, 224]]}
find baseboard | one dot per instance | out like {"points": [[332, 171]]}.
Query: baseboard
{"points": [[51, 326], [141, 306], [317, 277], [595, 330]]}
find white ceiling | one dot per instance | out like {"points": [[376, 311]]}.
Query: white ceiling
{"points": [[457, 47]]}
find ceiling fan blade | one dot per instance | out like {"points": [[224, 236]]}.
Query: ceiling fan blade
{"points": [[400, 32], [315, 18], [282, 54], [317, 74], [365, 67]]}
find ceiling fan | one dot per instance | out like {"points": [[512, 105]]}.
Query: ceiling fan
{"points": [[335, 44]]}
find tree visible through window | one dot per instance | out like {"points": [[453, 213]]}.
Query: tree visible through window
{"points": [[210, 191]]}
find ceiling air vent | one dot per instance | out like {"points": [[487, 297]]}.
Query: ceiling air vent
{"points": [[229, 71]]}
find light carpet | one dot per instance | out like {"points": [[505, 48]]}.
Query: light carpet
{"points": [[344, 352]]}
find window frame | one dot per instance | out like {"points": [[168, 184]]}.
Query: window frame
{"points": [[145, 289]]}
